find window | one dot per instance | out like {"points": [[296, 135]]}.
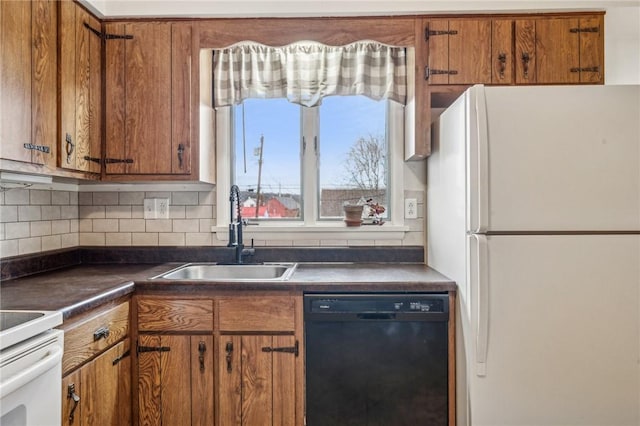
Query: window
{"points": [[342, 144], [300, 164]]}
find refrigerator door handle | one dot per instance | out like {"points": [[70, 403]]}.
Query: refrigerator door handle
{"points": [[479, 153], [482, 305]]}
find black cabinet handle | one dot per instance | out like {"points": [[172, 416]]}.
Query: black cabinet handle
{"points": [[180, 155], [502, 58], [525, 64], [202, 348], [41, 148], [101, 333], [288, 349], [69, 147], [229, 350], [71, 393]]}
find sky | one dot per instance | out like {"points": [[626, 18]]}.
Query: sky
{"points": [[343, 119]]}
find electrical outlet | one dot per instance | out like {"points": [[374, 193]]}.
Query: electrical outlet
{"points": [[149, 208], [410, 208], [162, 208]]}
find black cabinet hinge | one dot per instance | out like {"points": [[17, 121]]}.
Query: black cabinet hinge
{"points": [[105, 36], [289, 349], [104, 161], [428, 33], [585, 30], [41, 148], [121, 357], [429, 72], [585, 69], [140, 349]]}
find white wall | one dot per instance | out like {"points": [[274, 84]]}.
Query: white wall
{"points": [[622, 45]]}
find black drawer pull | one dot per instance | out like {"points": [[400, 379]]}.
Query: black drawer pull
{"points": [[101, 333]]}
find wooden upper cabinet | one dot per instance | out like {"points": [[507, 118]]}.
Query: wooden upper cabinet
{"points": [[80, 89], [560, 50], [148, 105], [459, 51], [502, 51], [28, 63]]}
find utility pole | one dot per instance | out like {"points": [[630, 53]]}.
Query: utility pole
{"points": [[259, 175]]}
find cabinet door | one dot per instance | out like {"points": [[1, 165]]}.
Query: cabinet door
{"points": [[175, 380], [102, 389], [502, 51], [80, 89], [148, 85], [28, 81], [591, 36], [256, 384], [459, 51], [557, 50], [525, 51]]}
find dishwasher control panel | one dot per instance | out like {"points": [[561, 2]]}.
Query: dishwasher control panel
{"points": [[377, 306]]}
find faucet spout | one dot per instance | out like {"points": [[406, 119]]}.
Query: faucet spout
{"points": [[235, 226]]}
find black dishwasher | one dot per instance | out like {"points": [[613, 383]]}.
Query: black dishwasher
{"points": [[376, 359]]}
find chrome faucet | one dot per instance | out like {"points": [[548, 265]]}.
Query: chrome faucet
{"points": [[235, 227]]}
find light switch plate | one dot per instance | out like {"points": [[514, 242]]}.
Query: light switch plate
{"points": [[410, 208], [162, 208], [149, 208]]}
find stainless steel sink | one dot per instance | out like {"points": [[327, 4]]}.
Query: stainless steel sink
{"points": [[243, 272]]}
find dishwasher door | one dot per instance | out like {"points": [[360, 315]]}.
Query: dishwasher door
{"points": [[376, 360]]}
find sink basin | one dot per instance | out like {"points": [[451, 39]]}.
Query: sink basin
{"points": [[244, 272]]}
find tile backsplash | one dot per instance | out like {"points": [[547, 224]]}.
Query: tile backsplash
{"points": [[34, 220]]}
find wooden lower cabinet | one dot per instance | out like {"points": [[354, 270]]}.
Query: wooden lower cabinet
{"points": [[257, 380], [99, 392], [175, 379]]}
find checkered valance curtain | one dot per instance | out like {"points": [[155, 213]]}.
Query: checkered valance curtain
{"points": [[305, 72]]}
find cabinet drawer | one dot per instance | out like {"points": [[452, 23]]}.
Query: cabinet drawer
{"points": [[270, 313], [87, 338], [175, 315]]}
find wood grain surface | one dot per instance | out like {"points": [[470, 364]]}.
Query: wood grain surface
{"points": [[256, 314], [174, 315]]}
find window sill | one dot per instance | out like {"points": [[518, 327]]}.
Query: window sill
{"points": [[319, 231]]}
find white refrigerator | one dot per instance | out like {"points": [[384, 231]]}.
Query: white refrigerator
{"points": [[533, 208]]}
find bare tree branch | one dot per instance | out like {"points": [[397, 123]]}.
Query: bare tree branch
{"points": [[366, 163]]}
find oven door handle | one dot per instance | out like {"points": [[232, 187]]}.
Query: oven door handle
{"points": [[15, 382]]}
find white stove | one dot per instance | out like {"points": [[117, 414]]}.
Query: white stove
{"points": [[30, 368]]}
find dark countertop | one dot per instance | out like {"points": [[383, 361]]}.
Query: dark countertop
{"points": [[80, 288]]}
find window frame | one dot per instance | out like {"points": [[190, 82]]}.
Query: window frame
{"points": [[401, 124]]}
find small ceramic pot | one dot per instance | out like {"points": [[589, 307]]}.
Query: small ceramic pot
{"points": [[353, 214]]}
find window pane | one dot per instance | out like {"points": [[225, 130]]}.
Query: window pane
{"points": [[267, 158], [353, 154]]}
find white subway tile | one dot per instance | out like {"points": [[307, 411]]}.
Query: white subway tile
{"points": [[137, 212], [74, 225], [119, 212], [40, 228], [60, 227], [15, 230], [131, 198], [29, 245], [184, 198], [206, 224], [85, 198], [60, 197], [8, 214], [176, 212], [2, 231], [29, 213], [185, 225], [39, 197], [132, 225], [51, 242], [360, 242], [306, 243], [92, 239], [16, 197], [85, 225], [388, 242], [70, 240], [207, 198], [144, 239], [413, 239], [118, 238], [199, 212], [105, 198], [105, 225], [198, 238], [51, 212], [330, 243], [171, 239], [92, 212], [73, 198], [158, 194], [69, 212], [158, 225], [8, 248]]}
